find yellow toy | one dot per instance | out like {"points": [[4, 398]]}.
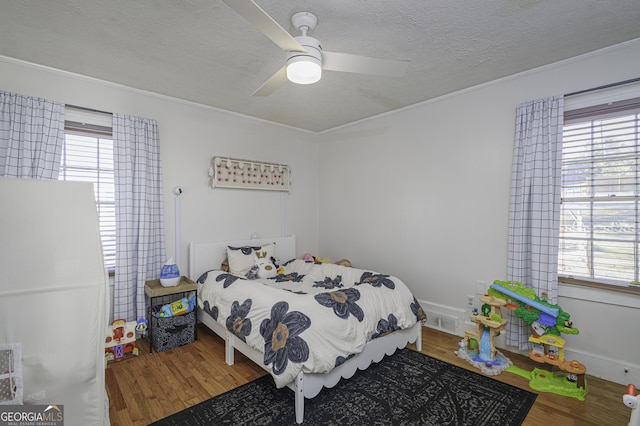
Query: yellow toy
{"points": [[314, 259], [176, 308]]}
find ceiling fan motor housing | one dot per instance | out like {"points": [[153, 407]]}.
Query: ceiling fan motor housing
{"points": [[312, 45]]}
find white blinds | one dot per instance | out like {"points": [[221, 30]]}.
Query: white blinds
{"points": [[88, 157], [599, 236]]}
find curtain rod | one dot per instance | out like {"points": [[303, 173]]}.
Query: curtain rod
{"points": [[606, 86], [92, 109]]}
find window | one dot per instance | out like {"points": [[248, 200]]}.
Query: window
{"points": [[87, 156], [600, 211], [11, 381]]}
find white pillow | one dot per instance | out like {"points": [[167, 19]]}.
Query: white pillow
{"points": [[241, 259]]}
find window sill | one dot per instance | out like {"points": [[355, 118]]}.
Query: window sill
{"points": [[598, 292], [631, 289]]}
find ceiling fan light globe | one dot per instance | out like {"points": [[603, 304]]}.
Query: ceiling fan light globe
{"points": [[304, 70]]}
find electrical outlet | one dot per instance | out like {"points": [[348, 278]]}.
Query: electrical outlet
{"points": [[626, 370], [470, 301]]}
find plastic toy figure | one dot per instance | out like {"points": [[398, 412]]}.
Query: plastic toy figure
{"points": [[631, 400], [120, 340]]}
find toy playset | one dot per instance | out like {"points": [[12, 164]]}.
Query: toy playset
{"points": [[120, 341], [478, 346], [546, 322]]}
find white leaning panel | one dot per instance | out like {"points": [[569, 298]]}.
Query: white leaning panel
{"points": [[52, 294]]}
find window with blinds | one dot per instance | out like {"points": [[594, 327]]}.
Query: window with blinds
{"points": [[87, 156], [599, 227]]}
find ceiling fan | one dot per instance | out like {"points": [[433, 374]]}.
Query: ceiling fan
{"points": [[305, 57]]}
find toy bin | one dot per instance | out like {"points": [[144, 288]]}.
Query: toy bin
{"points": [[171, 332]]}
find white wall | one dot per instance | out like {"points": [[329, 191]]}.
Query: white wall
{"points": [[190, 135], [421, 193], [424, 194]]}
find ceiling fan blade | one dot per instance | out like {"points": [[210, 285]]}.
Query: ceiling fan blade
{"points": [[265, 23], [347, 62], [274, 82]]}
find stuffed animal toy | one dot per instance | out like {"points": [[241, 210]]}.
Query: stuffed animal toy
{"points": [[315, 259], [141, 324], [344, 262], [276, 263], [264, 267]]}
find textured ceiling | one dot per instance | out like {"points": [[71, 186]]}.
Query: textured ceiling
{"points": [[203, 51]]}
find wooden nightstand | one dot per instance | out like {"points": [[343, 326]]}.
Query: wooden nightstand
{"points": [[176, 326]]}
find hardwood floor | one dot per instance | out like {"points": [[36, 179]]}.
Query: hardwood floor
{"points": [[150, 387]]}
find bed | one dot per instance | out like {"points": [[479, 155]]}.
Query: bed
{"points": [[336, 318]]}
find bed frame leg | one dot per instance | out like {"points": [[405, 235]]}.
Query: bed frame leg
{"points": [[299, 390], [419, 339], [228, 349]]}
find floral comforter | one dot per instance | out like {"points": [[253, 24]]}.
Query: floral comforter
{"points": [[312, 317]]}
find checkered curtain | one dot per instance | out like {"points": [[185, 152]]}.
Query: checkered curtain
{"points": [[31, 136], [140, 244], [534, 219]]}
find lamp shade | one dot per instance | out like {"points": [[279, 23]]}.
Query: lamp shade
{"points": [[304, 70], [305, 67]]}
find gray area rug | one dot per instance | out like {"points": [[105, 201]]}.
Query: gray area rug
{"points": [[407, 388]]}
